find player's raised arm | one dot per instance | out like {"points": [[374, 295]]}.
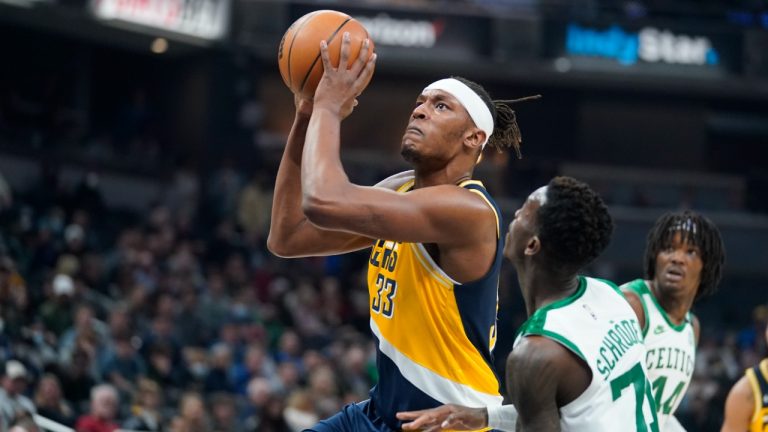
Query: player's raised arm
{"points": [[427, 215], [290, 233]]}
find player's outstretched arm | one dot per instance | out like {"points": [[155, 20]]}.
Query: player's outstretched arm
{"points": [[290, 233], [456, 417], [446, 417], [739, 407]]}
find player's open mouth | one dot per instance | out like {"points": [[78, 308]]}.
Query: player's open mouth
{"points": [[675, 274]]}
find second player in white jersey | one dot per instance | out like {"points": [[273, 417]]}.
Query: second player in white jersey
{"points": [[684, 257], [598, 325]]}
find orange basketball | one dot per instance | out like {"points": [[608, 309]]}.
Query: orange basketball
{"points": [[299, 54]]}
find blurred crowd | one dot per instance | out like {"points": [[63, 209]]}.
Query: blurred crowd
{"points": [[178, 319], [721, 359]]}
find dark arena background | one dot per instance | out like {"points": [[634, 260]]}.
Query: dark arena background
{"points": [[139, 141]]}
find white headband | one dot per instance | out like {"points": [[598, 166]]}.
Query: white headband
{"points": [[471, 101]]}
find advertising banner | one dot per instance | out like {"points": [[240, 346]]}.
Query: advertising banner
{"points": [[419, 36], [644, 48], [204, 19]]}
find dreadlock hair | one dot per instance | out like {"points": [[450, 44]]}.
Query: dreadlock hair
{"points": [[695, 230], [574, 225], [506, 132]]}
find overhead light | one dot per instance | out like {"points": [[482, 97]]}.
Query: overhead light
{"points": [[159, 46]]}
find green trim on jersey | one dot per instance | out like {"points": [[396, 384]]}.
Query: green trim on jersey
{"points": [[612, 285], [638, 287], [676, 327], [559, 338], [535, 324]]}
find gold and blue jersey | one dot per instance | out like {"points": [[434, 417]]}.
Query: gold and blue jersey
{"points": [[758, 380], [435, 335]]}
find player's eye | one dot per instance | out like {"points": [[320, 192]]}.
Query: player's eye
{"points": [[441, 106]]}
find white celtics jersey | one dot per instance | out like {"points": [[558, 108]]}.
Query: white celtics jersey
{"points": [[671, 352], [599, 326]]}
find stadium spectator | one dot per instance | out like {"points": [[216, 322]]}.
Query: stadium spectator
{"points": [[104, 410], [13, 404], [77, 378], [146, 408], [57, 311], [50, 402], [193, 416], [224, 413], [125, 366]]}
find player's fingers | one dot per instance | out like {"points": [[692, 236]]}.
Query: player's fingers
{"points": [[409, 415], [366, 74], [324, 56], [420, 422], [417, 424], [359, 64], [344, 57]]}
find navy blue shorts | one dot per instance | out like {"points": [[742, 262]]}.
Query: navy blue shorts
{"points": [[354, 417]]}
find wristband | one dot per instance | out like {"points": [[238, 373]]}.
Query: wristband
{"points": [[503, 418]]}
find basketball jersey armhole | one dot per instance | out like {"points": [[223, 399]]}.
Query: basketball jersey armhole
{"points": [[557, 337], [405, 187], [639, 287], [478, 188], [641, 296], [757, 396]]}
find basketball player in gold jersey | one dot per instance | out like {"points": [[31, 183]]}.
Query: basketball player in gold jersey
{"points": [[437, 244], [746, 409]]}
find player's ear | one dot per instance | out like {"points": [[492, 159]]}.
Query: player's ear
{"points": [[474, 138], [533, 246]]}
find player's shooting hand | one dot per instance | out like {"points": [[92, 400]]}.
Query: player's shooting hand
{"points": [[449, 416], [340, 86]]}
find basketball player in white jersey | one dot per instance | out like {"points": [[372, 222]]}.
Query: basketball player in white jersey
{"points": [[578, 362], [683, 262], [684, 256]]}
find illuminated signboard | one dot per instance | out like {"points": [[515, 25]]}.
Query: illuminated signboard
{"points": [[205, 19], [420, 36], [386, 30], [649, 44], [687, 49]]}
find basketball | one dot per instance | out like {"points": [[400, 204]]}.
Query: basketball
{"points": [[299, 54]]}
